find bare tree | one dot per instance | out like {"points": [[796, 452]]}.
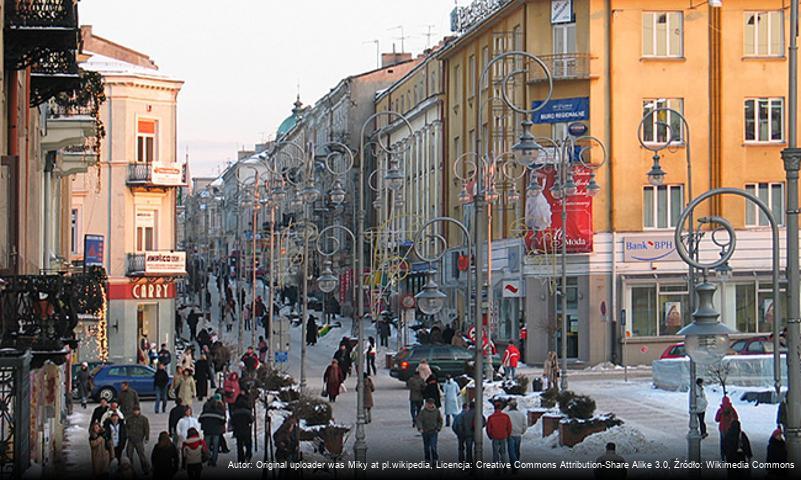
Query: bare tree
{"points": [[720, 372]]}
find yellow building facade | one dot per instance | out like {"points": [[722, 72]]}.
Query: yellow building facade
{"points": [[723, 68]]}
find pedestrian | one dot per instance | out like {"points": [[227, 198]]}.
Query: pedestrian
{"points": [[383, 332], [416, 385], [262, 349], [185, 387], [212, 423], [368, 387], [519, 427], [737, 449], [144, 348], [458, 429], [128, 399], [114, 407], [204, 338], [458, 340], [725, 415], [185, 424], [610, 464], [180, 318], [84, 388], [287, 440], [114, 431], [241, 422], [342, 356], [447, 334], [700, 405], [165, 357], [251, 360], [781, 415], [176, 414], [469, 430], [429, 423], [192, 320], [370, 354], [101, 457], [231, 390], [499, 428], [511, 357], [423, 369], [551, 371], [777, 455], [261, 309], [187, 359], [137, 428], [202, 376], [98, 413], [164, 458], [195, 452], [432, 390], [332, 379], [153, 355], [452, 399], [161, 382], [246, 316]]}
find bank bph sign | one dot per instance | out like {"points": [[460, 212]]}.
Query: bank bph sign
{"points": [[652, 248]]}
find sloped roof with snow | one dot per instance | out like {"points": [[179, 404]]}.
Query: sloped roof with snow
{"points": [[114, 67]]}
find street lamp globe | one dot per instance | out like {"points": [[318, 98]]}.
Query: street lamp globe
{"points": [[534, 188], [570, 187], [514, 195], [656, 176], [310, 194], [327, 281], [430, 299], [706, 340], [394, 177], [592, 187], [464, 196], [337, 193], [557, 191], [526, 150], [491, 194]]}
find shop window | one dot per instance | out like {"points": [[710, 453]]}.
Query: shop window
{"points": [[643, 311], [772, 194], [659, 309], [745, 301], [765, 308]]}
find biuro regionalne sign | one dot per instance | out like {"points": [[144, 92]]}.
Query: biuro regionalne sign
{"points": [[545, 232]]}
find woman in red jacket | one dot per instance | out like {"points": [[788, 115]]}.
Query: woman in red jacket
{"points": [[231, 390], [725, 416]]}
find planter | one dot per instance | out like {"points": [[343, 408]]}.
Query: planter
{"points": [[334, 439], [534, 415], [572, 432], [550, 423]]}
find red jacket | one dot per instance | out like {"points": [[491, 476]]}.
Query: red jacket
{"points": [[511, 356], [725, 415], [499, 426]]}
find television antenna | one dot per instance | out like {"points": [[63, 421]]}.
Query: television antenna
{"points": [[402, 37], [377, 52]]}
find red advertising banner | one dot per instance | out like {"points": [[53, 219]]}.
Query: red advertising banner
{"points": [[141, 291], [544, 216], [345, 281]]}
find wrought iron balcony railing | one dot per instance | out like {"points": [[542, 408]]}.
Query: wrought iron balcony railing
{"points": [[564, 66], [41, 13]]}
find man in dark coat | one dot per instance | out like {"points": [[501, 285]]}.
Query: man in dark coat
{"points": [[342, 356], [98, 412], [165, 357], [202, 376], [176, 413], [212, 421], [84, 383], [128, 399], [193, 320], [161, 380], [116, 435], [241, 421], [311, 331], [164, 458]]}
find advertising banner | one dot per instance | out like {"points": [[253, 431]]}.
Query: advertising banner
{"points": [[650, 248], [165, 262], [544, 216], [169, 174], [93, 250]]}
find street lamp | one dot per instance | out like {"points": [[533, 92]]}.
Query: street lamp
{"points": [[327, 281], [431, 299]]}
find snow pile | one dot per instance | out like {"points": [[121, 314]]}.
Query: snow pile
{"points": [[603, 367], [628, 440], [533, 438]]}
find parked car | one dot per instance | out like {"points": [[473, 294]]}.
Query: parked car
{"points": [[760, 345], [107, 379], [675, 350], [443, 360]]}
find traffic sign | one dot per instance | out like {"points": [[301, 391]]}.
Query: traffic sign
{"points": [[577, 129], [281, 357]]}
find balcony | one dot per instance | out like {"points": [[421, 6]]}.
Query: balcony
{"points": [[155, 175], [43, 35], [40, 312], [166, 263], [563, 66]]}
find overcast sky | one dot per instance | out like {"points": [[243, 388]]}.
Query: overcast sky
{"points": [[242, 60]]}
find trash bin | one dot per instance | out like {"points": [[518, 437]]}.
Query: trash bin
{"points": [[536, 384], [388, 356]]}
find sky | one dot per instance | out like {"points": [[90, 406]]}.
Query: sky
{"points": [[244, 61]]}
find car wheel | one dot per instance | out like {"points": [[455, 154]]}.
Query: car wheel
{"points": [[107, 393]]}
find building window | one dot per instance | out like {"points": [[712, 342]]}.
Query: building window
{"points": [[471, 76], [763, 34], [74, 231], [659, 309], [754, 302], [662, 34], [484, 63], [764, 120], [663, 125], [146, 141], [773, 196], [146, 230], [457, 84], [662, 205]]}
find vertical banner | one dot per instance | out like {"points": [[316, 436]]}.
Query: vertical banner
{"points": [[544, 216], [93, 250]]}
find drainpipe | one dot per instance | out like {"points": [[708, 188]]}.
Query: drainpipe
{"points": [[610, 182], [50, 161]]}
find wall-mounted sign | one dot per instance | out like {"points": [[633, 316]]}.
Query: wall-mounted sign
{"points": [[651, 248], [562, 110], [577, 129], [512, 289], [165, 263], [168, 174], [141, 291], [561, 11], [93, 249]]}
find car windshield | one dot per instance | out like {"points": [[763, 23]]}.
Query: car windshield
{"points": [[419, 353], [95, 370]]}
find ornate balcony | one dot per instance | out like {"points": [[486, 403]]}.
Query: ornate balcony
{"points": [[40, 312], [155, 175], [44, 35], [156, 264], [564, 66]]}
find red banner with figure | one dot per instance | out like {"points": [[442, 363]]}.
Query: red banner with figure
{"points": [[544, 215]]}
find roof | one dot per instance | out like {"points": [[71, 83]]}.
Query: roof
{"points": [[287, 125], [113, 67]]}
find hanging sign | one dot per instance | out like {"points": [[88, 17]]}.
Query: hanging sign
{"points": [[562, 110], [512, 289], [561, 11], [93, 250]]}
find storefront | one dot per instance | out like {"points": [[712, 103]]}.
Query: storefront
{"points": [[139, 308]]}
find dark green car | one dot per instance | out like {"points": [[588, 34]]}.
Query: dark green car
{"points": [[443, 359]]}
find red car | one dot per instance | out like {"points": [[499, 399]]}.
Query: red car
{"points": [[674, 351], [761, 345]]}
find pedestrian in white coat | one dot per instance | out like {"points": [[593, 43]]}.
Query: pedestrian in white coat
{"points": [[453, 400], [700, 405]]}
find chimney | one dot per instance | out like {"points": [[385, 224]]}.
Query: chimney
{"points": [[389, 59]]}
